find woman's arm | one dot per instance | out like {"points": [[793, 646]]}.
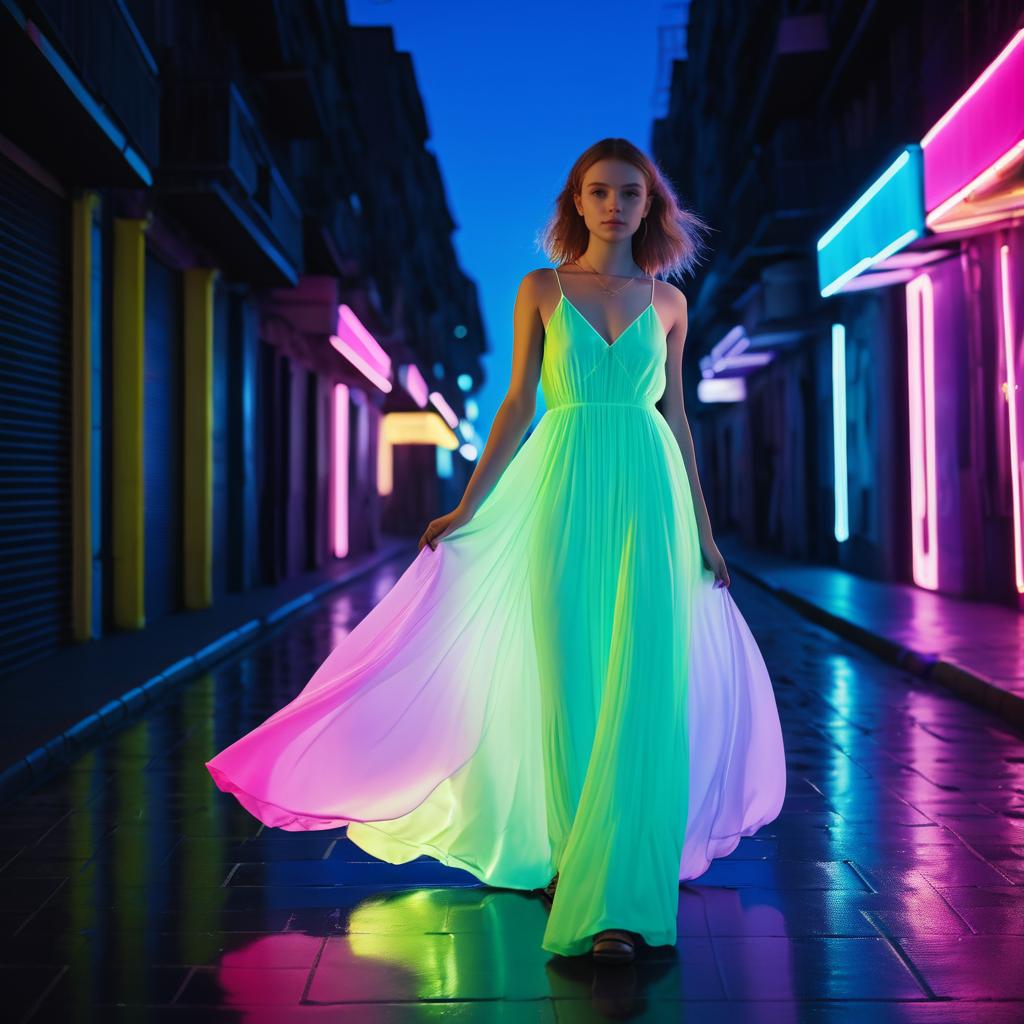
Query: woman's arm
{"points": [[520, 402], [514, 414], [675, 413], [675, 416]]}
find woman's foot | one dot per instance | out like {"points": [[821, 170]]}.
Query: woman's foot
{"points": [[613, 945], [548, 892]]}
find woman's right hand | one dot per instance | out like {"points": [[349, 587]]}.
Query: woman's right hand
{"points": [[437, 528]]}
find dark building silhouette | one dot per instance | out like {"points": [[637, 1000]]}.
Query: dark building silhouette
{"points": [[781, 120], [225, 262]]}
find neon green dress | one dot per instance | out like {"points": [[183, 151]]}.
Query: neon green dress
{"points": [[523, 700]]}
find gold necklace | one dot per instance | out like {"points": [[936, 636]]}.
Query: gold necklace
{"points": [[607, 291]]}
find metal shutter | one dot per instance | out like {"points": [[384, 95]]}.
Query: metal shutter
{"points": [[35, 422]]}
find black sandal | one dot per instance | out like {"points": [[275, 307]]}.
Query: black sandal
{"points": [[548, 892], [613, 945]]}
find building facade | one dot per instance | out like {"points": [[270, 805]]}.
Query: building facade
{"points": [[227, 359], [855, 347]]}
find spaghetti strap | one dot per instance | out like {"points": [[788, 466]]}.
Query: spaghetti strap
{"points": [[652, 289], [558, 279]]}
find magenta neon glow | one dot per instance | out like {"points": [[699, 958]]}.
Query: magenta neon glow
{"points": [[879, 279], [361, 349], [1012, 400], [413, 382], [438, 402], [977, 135], [921, 383], [339, 473], [358, 360], [945, 216]]}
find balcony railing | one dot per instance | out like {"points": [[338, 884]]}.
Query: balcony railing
{"points": [[108, 53], [777, 205], [214, 148]]}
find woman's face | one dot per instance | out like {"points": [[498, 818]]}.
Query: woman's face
{"points": [[614, 199]]}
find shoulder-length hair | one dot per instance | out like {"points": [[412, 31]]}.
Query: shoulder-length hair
{"points": [[671, 245]]}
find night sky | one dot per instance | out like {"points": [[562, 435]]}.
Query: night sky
{"points": [[513, 93]]}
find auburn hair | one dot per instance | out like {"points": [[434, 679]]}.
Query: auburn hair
{"points": [[671, 245]]}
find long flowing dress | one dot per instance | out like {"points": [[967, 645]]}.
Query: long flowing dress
{"points": [[557, 687]]}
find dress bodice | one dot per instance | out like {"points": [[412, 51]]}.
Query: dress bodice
{"points": [[579, 367]]}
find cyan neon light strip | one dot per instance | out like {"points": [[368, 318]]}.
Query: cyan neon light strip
{"points": [[885, 218], [842, 517]]}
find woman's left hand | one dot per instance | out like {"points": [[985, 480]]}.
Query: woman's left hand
{"points": [[715, 562]]}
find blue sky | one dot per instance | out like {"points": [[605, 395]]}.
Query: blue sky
{"points": [[513, 93]]}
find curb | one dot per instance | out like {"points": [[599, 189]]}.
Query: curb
{"points": [[57, 752], [970, 685]]}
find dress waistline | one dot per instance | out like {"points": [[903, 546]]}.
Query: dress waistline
{"points": [[649, 406]]}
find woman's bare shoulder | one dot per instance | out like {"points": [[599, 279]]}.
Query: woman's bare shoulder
{"points": [[670, 294], [671, 305], [537, 286], [538, 279]]}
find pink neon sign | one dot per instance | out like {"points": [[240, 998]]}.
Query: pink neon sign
{"points": [[1013, 411], [413, 382], [439, 403], [361, 348], [339, 474], [980, 131], [924, 503]]}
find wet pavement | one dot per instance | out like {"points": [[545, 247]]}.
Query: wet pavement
{"points": [[975, 648], [890, 889]]}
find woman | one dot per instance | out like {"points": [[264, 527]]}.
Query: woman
{"points": [[559, 689]]}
